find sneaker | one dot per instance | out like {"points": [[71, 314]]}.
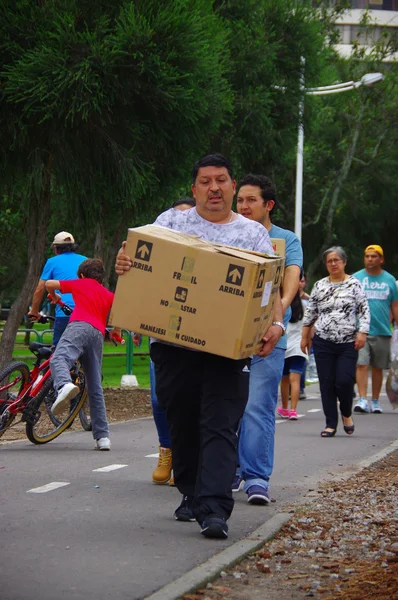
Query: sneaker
{"points": [[103, 444], [65, 393], [293, 416], [184, 511], [215, 527], [303, 395], [162, 472], [256, 494], [283, 412], [375, 407], [237, 483], [362, 406]]}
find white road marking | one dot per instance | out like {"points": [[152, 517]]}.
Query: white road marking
{"points": [[152, 455], [281, 421], [314, 410], [48, 487], [109, 468]]}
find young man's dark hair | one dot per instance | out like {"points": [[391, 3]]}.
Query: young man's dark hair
{"points": [[92, 268], [186, 200], [268, 189], [211, 160]]}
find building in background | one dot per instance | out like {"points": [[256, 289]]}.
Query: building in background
{"points": [[383, 20]]}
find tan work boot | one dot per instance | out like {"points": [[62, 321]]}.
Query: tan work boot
{"points": [[171, 482], [162, 473]]}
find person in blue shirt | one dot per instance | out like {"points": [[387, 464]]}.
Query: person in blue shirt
{"points": [[256, 200], [382, 295], [62, 266]]}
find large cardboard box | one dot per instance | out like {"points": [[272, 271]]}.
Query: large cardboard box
{"points": [[279, 246], [187, 291]]}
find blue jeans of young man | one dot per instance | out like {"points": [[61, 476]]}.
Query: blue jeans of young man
{"points": [[257, 428], [60, 325], [84, 342], [159, 413]]}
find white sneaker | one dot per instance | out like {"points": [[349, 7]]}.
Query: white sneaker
{"points": [[103, 444], [65, 393], [375, 407], [362, 406]]}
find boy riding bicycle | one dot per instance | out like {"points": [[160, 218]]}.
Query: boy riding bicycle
{"points": [[83, 339]]}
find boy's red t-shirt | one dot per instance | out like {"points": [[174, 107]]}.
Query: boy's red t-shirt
{"points": [[92, 302]]}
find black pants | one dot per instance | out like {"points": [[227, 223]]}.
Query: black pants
{"points": [[204, 397], [336, 364]]}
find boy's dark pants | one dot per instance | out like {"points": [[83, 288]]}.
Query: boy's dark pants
{"points": [[204, 396], [81, 341]]}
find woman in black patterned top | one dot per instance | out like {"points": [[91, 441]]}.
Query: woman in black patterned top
{"points": [[339, 309]]}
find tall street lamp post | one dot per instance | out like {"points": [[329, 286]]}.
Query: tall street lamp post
{"points": [[367, 79]]}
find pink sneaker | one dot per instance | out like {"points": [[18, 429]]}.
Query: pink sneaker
{"points": [[283, 412], [293, 415]]}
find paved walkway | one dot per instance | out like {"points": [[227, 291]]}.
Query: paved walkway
{"points": [[76, 523]]}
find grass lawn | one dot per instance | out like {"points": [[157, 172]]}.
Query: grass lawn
{"points": [[114, 361]]}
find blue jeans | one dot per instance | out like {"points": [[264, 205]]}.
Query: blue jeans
{"points": [[257, 428], [159, 414], [60, 324]]}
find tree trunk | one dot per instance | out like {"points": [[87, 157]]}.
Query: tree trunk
{"points": [[341, 178], [99, 242], [120, 233], [39, 216]]}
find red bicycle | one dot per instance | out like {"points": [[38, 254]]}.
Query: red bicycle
{"points": [[29, 394]]}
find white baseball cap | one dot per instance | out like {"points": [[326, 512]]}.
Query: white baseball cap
{"points": [[63, 237]]}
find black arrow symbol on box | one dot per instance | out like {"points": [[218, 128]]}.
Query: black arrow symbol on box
{"points": [[144, 251], [234, 276]]}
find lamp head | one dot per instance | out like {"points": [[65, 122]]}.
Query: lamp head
{"points": [[371, 78]]}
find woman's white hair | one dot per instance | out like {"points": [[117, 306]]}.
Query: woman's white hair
{"points": [[338, 249]]}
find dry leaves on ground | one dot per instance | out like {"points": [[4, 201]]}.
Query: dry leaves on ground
{"points": [[343, 545]]}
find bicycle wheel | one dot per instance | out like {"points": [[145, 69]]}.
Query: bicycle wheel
{"points": [[12, 379], [48, 426], [84, 414]]}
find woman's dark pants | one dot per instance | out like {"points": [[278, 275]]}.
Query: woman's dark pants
{"points": [[336, 365]]}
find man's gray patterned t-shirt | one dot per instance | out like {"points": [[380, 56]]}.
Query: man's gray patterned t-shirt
{"points": [[241, 233]]}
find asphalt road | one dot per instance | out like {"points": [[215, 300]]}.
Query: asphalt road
{"points": [[111, 534]]}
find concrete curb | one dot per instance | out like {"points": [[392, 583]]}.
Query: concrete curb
{"points": [[209, 570], [199, 576], [363, 464]]}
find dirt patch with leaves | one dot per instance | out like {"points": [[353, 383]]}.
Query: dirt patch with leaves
{"points": [[342, 545], [121, 405]]}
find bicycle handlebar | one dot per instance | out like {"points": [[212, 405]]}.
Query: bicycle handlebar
{"points": [[43, 319], [67, 310], [115, 339]]}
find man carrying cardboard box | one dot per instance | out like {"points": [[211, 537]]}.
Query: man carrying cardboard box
{"points": [[204, 394], [256, 201]]}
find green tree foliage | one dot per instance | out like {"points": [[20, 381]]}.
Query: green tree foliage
{"points": [[350, 184], [103, 106], [268, 39]]}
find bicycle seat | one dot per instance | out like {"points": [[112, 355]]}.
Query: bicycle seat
{"points": [[42, 350]]}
